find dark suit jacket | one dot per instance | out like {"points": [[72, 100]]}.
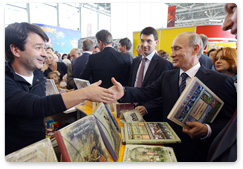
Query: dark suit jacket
{"points": [[157, 66], [106, 64], [78, 64], [224, 146], [206, 61], [167, 87]]}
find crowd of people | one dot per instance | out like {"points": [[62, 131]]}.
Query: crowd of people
{"points": [[151, 81]]}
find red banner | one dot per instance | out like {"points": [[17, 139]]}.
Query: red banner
{"points": [[171, 16]]}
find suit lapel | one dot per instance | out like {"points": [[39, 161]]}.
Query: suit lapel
{"points": [[174, 85], [151, 68]]}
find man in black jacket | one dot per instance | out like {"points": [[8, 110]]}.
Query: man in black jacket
{"points": [[25, 101], [107, 63]]}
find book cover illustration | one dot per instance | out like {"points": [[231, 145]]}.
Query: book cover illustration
{"points": [[81, 142], [149, 133], [122, 106], [41, 151], [109, 133], [196, 103], [147, 153], [131, 116], [81, 83]]}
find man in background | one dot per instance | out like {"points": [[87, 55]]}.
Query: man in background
{"points": [[124, 46], [107, 63], [204, 59], [151, 66]]}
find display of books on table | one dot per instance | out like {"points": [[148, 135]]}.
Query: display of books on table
{"points": [[122, 106], [148, 153], [149, 133], [196, 103], [131, 116], [41, 151]]}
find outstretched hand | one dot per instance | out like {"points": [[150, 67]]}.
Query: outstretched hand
{"points": [[98, 94], [117, 89]]}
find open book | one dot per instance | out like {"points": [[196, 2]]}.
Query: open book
{"points": [[51, 87], [196, 103], [41, 151], [81, 142], [81, 83]]}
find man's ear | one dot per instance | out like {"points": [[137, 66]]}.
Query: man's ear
{"points": [[196, 49], [15, 50]]}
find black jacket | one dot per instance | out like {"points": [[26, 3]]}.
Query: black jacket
{"points": [[25, 109], [106, 64]]}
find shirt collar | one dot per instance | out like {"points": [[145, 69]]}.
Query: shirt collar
{"points": [[87, 52], [150, 56], [192, 72]]}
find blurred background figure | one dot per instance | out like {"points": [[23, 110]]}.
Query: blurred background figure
{"points": [[96, 49], [211, 52], [124, 46], [164, 55], [139, 50]]}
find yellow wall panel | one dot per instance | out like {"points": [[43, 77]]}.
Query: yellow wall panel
{"points": [[168, 35]]}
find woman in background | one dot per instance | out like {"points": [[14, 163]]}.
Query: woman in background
{"points": [[54, 66], [225, 61]]}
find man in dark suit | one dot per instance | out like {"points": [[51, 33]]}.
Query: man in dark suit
{"points": [[154, 66], [204, 59], [79, 63], [107, 63], [196, 139], [224, 146]]}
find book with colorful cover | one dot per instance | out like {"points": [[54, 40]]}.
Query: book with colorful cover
{"points": [[148, 153], [109, 133], [51, 87], [122, 106], [131, 116], [196, 103], [81, 142], [149, 133], [112, 118], [41, 151]]}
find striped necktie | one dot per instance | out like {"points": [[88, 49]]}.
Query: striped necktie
{"points": [[183, 82], [140, 74]]}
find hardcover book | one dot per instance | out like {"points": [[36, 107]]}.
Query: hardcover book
{"points": [[131, 116], [149, 133], [196, 103], [81, 83], [81, 142], [147, 153], [41, 151], [109, 133], [122, 106]]}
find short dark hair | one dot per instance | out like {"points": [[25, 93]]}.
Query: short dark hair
{"points": [[104, 36], [149, 31], [16, 35], [88, 45], [126, 42], [50, 48]]}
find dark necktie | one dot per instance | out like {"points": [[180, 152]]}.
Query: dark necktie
{"points": [[140, 74], [183, 82]]}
